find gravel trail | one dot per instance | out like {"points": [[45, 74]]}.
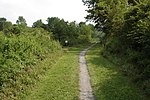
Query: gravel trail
{"points": [[86, 92]]}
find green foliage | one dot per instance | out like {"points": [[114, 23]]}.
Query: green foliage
{"points": [[126, 25], [19, 56], [24, 49], [2, 21], [15, 30], [38, 24], [21, 21], [72, 32], [58, 27], [5, 25], [108, 81], [86, 33]]}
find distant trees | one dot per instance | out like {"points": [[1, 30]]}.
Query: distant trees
{"points": [[126, 24], [21, 21], [86, 32], [62, 30], [5, 25], [38, 24], [73, 32], [58, 27], [2, 21]]}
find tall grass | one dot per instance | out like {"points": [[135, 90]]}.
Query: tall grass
{"points": [[108, 81]]}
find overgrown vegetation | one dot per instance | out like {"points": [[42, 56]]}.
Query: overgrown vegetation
{"points": [[19, 57], [126, 24], [26, 53], [72, 32], [108, 82]]}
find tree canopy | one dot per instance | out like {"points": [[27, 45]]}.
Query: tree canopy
{"points": [[126, 24], [21, 21], [38, 24]]}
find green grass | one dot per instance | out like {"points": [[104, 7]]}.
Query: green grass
{"points": [[107, 81], [60, 81]]}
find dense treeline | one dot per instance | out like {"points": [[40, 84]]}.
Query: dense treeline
{"points": [[61, 30], [72, 32], [126, 25], [24, 50]]}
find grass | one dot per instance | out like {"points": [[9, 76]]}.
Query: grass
{"points": [[107, 80], [60, 81]]}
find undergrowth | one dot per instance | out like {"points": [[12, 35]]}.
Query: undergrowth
{"points": [[108, 81], [21, 59]]}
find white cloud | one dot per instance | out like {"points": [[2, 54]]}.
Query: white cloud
{"points": [[33, 10]]}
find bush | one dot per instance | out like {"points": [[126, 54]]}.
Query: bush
{"points": [[19, 57]]}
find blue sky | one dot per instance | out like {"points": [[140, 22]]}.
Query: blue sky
{"points": [[32, 10]]}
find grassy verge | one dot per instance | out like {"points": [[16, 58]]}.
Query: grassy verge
{"points": [[107, 81], [61, 80]]}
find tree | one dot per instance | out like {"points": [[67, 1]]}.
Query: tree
{"points": [[126, 24], [2, 21], [85, 33], [21, 25], [106, 13], [21, 21], [58, 27], [5, 25], [73, 33], [38, 24]]}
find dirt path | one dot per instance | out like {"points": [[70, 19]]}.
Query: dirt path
{"points": [[85, 85]]}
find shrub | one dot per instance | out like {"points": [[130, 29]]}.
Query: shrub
{"points": [[19, 58]]}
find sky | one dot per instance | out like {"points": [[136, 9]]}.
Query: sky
{"points": [[33, 10]]}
